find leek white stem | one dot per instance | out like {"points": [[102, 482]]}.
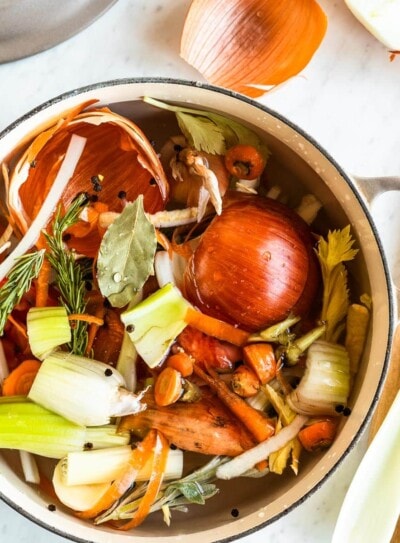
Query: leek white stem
{"points": [[29, 467], [105, 465]]}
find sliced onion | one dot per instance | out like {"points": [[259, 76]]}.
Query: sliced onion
{"points": [[245, 461], [242, 44], [71, 159]]}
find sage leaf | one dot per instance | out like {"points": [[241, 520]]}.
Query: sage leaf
{"points": [[126, 255]]}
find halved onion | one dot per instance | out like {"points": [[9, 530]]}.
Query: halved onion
{"points": [[242, 44], [254, 264], [118, 164]]}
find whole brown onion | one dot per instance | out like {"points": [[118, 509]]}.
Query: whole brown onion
{"points": [[254, 265]]}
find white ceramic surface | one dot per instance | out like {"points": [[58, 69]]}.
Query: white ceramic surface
{"points": [[348, 99]]}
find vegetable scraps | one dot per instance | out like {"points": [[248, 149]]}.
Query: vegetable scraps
{"points": [[138, 333], [251, 46]]}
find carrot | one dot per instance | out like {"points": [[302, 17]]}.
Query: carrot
{"points": [[138, 458], [21, 328], [245, 382], [216, 328], [244, 161], [205, 426], [91, 319], [319, 434], [256, 422], [260, 358], [168, 388], [209, 351], [20, 380], [156, 478], [181, 362], [42, 284]]}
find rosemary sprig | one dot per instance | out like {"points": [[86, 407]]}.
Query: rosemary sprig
{"points": [[68, 273], [25, 269]]}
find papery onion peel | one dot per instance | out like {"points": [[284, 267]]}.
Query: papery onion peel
{"points": [[245, 46], [118, 160]]}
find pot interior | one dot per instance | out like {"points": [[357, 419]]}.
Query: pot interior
{"points": [[299, 166]]}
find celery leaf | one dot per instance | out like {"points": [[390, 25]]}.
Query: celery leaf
{"points": [[332, 253], [211, 132]]}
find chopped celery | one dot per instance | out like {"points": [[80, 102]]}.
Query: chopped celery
{"points": [[155, 322], [27, 426], [47, 328], [105, 465], [82, 390], [326, 380]]}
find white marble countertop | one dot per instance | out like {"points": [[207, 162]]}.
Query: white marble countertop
{"points": [[348, 99]]}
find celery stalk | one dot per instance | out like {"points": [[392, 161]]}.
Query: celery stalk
{"points": [[155, 322], [27, 426], [47, 328]]}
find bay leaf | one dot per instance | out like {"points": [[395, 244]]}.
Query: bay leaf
{"points": [[126, 255]]}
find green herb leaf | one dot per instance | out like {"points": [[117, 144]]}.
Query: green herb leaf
{"points": [[194, 492], [19, 280], [126, 255], [332, 253], [68, 272], [211, 132]]}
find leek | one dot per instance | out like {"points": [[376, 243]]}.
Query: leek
{"points": [[47, 328], [82, 390], [326, 380], [105, 465], [371, 507], [27, 426], [155, 322]]}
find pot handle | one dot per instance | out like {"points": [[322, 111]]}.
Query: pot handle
{"points": [[372, 187], [387, 219]]}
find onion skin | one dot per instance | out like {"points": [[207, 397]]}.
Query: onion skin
{"points": [[186, 191], [254, 265]]}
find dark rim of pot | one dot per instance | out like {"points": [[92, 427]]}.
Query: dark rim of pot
{"points": [[391, 297]]}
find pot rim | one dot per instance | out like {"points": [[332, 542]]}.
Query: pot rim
{"points": [[392, 308]]}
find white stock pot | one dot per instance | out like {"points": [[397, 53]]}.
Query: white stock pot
{"points": [[345, 201]]}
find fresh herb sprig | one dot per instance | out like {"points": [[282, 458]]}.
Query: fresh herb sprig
{"points": [[68, 273], [25, 269], [195, 488]]}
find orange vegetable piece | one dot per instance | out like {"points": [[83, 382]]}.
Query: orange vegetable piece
{"points": [[244, 161], [319, 434], [206, 426], [20, 380], [260, 358], [256, 422], [168, 387], [138, 459], [181, 362], [208, 351], [156, 478], [245, 382], [215, 327]]}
